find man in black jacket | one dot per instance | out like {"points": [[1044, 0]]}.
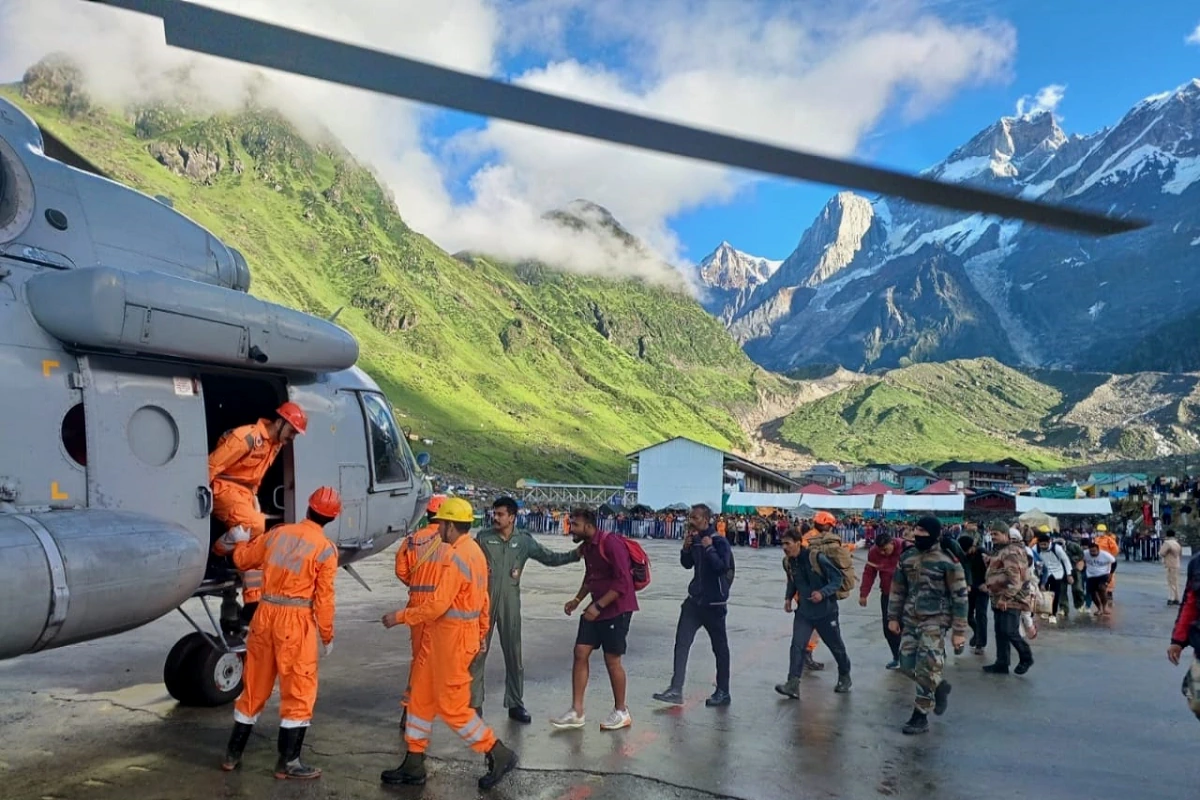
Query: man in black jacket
{"points": [[711, 558], [816, 591]]}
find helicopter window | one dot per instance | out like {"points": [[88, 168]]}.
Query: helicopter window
{"points": [[74, 435], [388, 462]]}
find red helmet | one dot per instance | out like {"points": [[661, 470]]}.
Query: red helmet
{"points": [[824, 518], [325, 501], [435, 503], [293, 415]]}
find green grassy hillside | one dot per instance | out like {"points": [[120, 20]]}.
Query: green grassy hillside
{"points": [[512, 370], [929, 413]]}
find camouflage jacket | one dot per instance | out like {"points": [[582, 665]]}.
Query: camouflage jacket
{"points": [[1008, 577], [929, 588]]}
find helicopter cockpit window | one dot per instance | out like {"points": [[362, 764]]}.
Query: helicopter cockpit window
{"points": [[388, 461]]}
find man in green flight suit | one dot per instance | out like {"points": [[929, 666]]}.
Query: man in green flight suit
{"points": [[506, 551]]}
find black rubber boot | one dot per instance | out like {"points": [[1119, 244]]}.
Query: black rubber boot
{"points": [[411, 771], [843, 684], [810, 663], [289, 764], [917, 723], [941, 698], [789, 689], [500, 762], [237, 744]]}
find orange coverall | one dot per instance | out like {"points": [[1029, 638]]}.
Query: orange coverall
{"points": [[456, 621], [419, 563], [299, 565], [1108, 543], [235, 470]]}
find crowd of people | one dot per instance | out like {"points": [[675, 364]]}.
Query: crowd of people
{"points": [[933, 582]]}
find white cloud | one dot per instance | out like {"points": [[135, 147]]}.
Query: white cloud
{"points": [[814, 77], [1194, 36], [1046, 99]]}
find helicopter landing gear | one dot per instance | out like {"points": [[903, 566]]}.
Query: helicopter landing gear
{"points": [[204, 669]]}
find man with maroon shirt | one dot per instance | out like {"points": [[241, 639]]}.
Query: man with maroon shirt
{"points": [[1187, 634], [605, 622], [882, 559]]}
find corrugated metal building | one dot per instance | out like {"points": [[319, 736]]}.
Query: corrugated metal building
{"points": [[681, 470]]}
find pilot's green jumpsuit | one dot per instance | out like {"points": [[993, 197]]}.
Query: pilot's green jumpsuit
{"points": [[506, 561]]}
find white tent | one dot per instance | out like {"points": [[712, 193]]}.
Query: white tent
{"points": [[764, 499], [1092, 506], [923, 502], [840, 502]]}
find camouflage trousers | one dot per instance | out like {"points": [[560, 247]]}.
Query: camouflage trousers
{"points": [[922, 656], [1191, 687]]}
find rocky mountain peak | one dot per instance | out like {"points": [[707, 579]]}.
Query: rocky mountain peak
{"points": [[582, 215], [1007, 149], [730, 268]]}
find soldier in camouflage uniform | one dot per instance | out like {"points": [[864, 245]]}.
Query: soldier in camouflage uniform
{"points": [[929, 595]]}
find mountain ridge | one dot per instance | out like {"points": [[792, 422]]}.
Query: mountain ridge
{"points": [[1056, 300]]}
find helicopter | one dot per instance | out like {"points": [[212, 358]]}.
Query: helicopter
{"points": [[130, 329]]}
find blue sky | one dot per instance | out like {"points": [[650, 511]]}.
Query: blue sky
{"points": [[895, 82], [1107, 54]]}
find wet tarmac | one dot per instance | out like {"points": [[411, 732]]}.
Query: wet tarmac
{"points": [[1099, 715]]}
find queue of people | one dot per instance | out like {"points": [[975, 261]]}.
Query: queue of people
{"points": [[462, 588]]}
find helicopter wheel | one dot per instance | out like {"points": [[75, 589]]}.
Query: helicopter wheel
{"points": [[198, 674]]}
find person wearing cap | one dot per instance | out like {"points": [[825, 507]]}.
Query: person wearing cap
{"points": [[235, 471], [297, 607], [882, 560], [456, 619], [1108, 543], [419, 562], [929, 595], [1007, 582]]}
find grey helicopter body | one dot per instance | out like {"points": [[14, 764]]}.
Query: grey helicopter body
{"points": [[129, 344]]}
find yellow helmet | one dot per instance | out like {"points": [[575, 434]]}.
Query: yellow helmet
{"points": [[1102, 527], [1043, 528], [455, 509]]}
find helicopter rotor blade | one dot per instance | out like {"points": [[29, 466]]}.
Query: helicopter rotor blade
{"points": [[218, 33]]}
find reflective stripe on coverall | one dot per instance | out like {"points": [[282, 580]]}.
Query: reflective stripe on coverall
{"points": [[506, 560], [235, 470], [419, 563], [299, 565], [455, 621]]}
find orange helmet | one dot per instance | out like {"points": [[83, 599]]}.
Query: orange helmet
{"points": [[293, 415], [435, 503], [824, 518], [325, 501]]}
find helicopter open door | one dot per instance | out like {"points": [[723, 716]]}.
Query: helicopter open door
{"points": [[145, 434]]}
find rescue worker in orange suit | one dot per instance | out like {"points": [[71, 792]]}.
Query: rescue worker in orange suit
{"points": [[236, 469], [456, 626], [419, 562], [299, 565]]}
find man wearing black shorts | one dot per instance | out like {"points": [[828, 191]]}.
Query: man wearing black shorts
{"points": [[605, 621]]}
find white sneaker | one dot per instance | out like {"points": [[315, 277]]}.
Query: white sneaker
{"points": [[1053, 620], [616, 720], [568, 720]]}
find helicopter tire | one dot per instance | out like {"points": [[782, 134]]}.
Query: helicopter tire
{"points": [[198, 674]]}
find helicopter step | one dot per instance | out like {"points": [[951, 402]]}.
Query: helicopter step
{"points": [[205, 669]]}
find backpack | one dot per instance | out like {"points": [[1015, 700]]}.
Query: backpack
{"points": [[639, 562], [830, 546]]}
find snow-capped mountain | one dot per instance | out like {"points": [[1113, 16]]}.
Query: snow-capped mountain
{"points": [[877, 282], [731, 277]]}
